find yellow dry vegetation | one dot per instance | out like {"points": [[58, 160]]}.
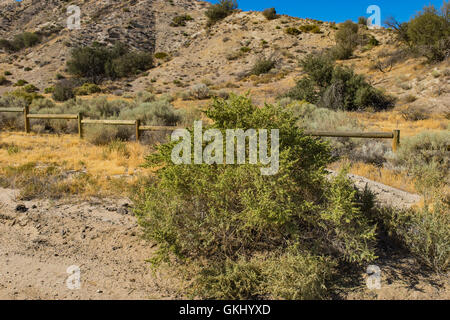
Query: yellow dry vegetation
{"points": [[105, 164], [391, 120], [399, 180]]}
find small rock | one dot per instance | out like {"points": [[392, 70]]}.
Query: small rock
{"points": [[99, 291]]}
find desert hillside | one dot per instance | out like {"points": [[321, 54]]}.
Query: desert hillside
{"points": [[220, 56], [88, 177]]}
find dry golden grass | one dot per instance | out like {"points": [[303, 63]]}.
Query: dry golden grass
{"points": [[391, 120], [385, 176], [108, 165]]}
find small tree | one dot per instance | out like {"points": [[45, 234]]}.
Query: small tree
{"points": [[270, 13], [346, 40], [219, 11]]}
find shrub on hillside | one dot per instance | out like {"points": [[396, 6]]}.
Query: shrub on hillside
{"points": [[313, 28], [87, 89], [270, 13], [262, 66], [98, 62], [180, 21], [425, 156], [20, 41], [428, 33], [332, 86], [63, 90], [219, 11], [292, 31], [222, 218], [3, 80], [346, 40]]}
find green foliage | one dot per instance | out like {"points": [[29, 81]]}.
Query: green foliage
{"points": [[262, 66], [161, 55], [224, 217], [220, 11], [425, 156], [424, 232], [180, 21], [3, 80], [30, 88], [292, 31], [20, 83], [362, 21], [346, 40], [270, 13], [98, 62], [63, 90], [20, 41], [331, 86], [87, 89], [313, 28], [428, 33]]}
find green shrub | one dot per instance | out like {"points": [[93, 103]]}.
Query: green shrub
{"points": [[87, 89], [3, 80], [292, 31], [63, 90], [180, 21], [20, 83], [49, 90], [362, 21], [20, 41], [313, 28], [262, 66], [331, 86], [223, 217], [105, 135], [161, 55], [7, 73], [98, 62], [270, 13], [159, 112], [220, 11], [427, 33], [30, 88], [425, 156], [424, 232], [346, 40], [27, 96]]}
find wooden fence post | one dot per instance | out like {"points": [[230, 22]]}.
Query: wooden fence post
{"points": [[80, 125], [138, 124], [396, 140], [25, 119]]}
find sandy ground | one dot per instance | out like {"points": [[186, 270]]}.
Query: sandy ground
{"points": [[40, 242], [101, 238]]}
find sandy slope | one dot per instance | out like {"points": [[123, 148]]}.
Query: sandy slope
{"points": [[102, 239], [37, 247]]}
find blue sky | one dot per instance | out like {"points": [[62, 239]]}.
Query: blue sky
{"points": [[339, 11]]}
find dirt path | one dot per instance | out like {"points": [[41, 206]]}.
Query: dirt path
{"points": [[101, 238]]}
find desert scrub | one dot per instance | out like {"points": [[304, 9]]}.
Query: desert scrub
{"points": [[216, 218], [180, 21], [424, 232], [270, 13], [332, 86], [87, 89], [44, 181], [426, 157], [262, 66], [220, 11]]}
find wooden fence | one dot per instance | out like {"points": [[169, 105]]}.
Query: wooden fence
{"points": [[395, 135]]}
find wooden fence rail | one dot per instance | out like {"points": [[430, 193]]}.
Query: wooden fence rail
{"points": [[395, 135]]}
